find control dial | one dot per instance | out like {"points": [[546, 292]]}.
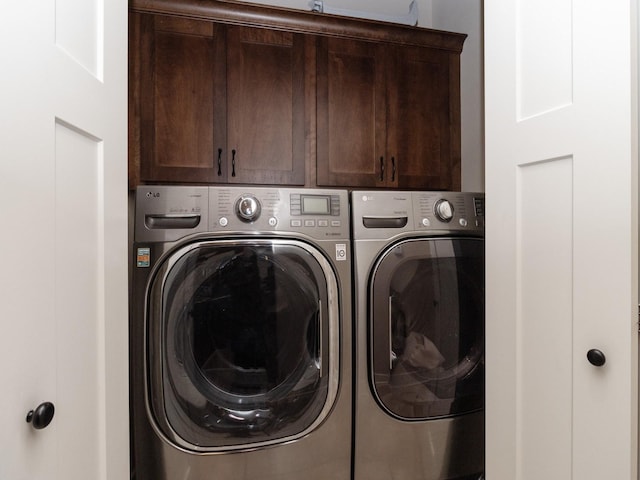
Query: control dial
{"points": [[443, 210], [248, 208]]}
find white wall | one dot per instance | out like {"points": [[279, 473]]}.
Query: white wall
{"points": [[385, 7], [463, 16]]}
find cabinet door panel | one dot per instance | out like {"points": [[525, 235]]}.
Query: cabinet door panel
{"points": [[265, 109], [351, 113], [423, 131], [181, 101]]}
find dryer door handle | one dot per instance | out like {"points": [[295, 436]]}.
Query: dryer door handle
{"points": [[392, 355], [384, 222]]}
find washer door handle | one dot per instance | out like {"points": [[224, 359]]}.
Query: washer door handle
{"points": [[596, 357], [320, 337]]}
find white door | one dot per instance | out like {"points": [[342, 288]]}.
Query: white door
{"points": [[63, 211], [561, 238]]}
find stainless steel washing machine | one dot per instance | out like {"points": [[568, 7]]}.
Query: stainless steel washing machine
{"points": [[241, 334], [419, 337]]}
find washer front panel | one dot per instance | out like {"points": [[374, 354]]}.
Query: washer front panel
{"points": [[242, 343]]}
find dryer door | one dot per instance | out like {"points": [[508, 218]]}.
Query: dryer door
{"points": [[426, 302], [242, 343]]}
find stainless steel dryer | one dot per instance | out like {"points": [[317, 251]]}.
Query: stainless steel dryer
{"points": [[419, 337], [241, 334]]}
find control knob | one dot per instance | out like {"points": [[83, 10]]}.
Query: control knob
{"points": [[443, 210], [248, 208]]}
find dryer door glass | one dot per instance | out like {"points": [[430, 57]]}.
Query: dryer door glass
{"points": [[427, 330], [238, 346]]}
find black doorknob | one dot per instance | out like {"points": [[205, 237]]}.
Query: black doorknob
{"points": [[596, 357], [41, 416]]}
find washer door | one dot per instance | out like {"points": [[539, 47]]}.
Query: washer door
{"points": [[427, 328], [240, 343]]}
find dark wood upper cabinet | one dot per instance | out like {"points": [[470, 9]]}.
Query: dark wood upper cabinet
{"points": [[388, 116], [219, 103], [226, 92], [182, 99], [351, 113], [423, 129], [265, 106]]}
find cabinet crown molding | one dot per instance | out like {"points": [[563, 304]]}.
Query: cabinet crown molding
{"points": [[299, 21]]}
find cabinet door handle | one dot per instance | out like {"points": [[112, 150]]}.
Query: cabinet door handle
{"points": [[233, 162], [393, 169], [381, 169], [219, 162]]}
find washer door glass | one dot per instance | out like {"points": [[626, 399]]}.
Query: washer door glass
{"points": [[238, 348], [427, 330]]}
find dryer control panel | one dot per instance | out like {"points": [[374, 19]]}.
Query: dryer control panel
{"points": [[386, 213]]}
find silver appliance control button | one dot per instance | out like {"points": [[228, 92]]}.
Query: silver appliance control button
{"points": [[443, 210], [426, 222], [223, 221], [463, 222], [248, 208], [273, 221]]}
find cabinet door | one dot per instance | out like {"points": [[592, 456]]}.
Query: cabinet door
{"points": [[182, 103], [351, 113], [423, 137], [265, 106]]}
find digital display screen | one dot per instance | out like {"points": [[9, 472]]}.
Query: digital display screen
{"points": [[316, 205]]}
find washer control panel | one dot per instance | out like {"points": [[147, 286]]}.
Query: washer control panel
{"points": [[321, 214], [168, 213], [165, 213]]}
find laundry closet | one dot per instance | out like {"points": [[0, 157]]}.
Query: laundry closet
{"points": [[270, 149]]}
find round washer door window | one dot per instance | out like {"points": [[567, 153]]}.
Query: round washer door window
{"points": [[427, 328], [238, 347]]}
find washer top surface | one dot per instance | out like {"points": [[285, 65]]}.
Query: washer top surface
{"points": [[384, 214]]}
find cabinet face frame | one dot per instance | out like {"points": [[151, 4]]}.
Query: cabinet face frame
{"points": [[309, 169]]}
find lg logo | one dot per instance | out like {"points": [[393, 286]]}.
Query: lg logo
{"points": [[153, 194]]}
